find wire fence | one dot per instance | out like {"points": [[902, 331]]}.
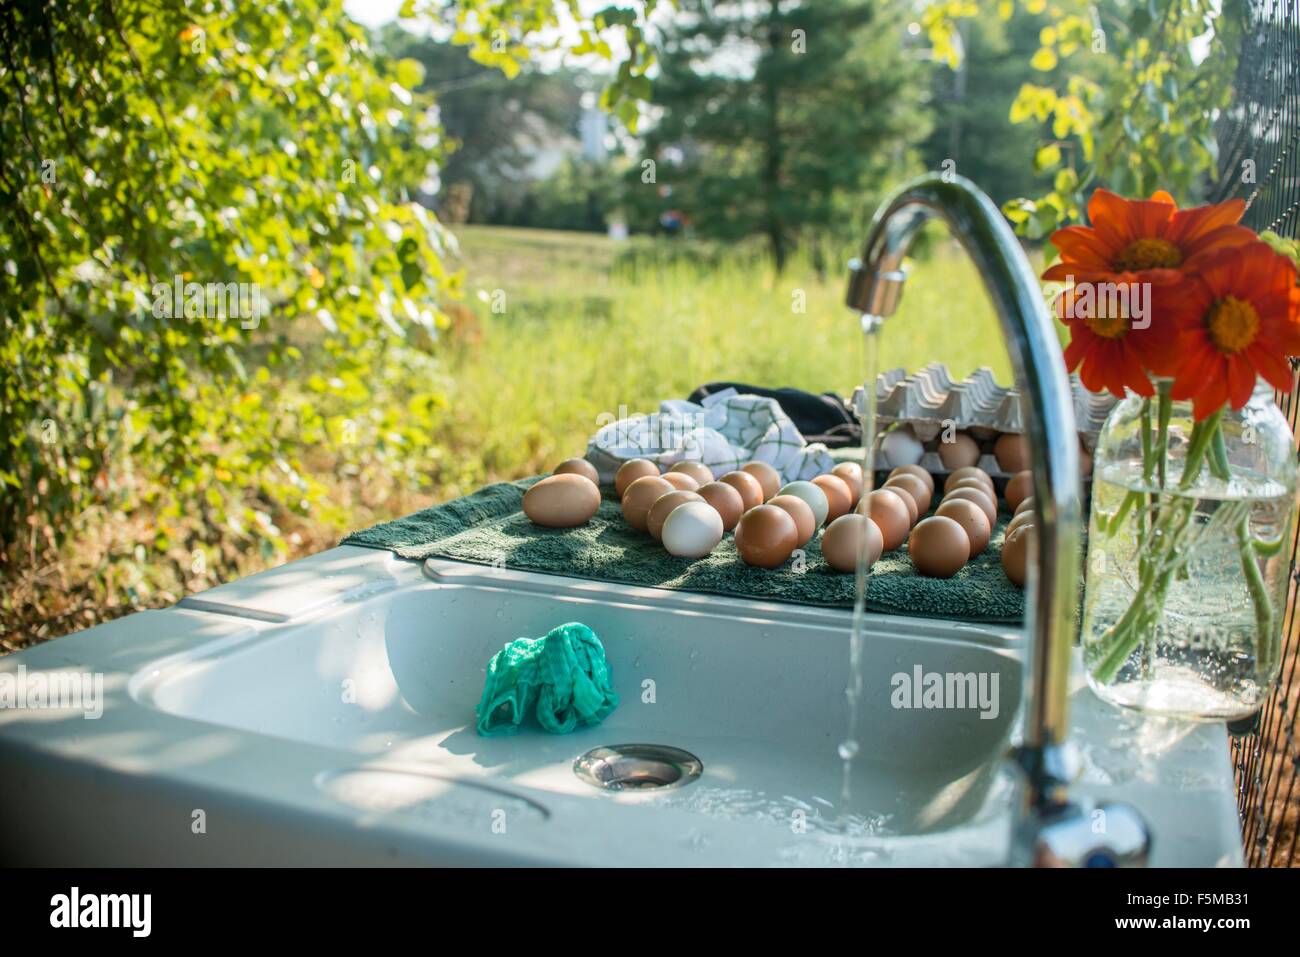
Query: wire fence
{"points": [[1259, 152]]}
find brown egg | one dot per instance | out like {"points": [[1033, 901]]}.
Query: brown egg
{"points": [[972, 520], [751, 492], [961, 452], [1026, 504], [640, 495], [662, 508], [630, 471], [766, 536], [919, 472], [913, 513], [851, 473], [842, 541], [915, 489], [938, 547], [696, 470], [1019, 488], [970, 472], [769, 479], [562, 501], [1015, 552], [986, 502], [804, 519], [680, 480], [1012, 452], [839, 495], [579, 467], [726, 501], [889, 511], [1024, 518], [971, 481]]}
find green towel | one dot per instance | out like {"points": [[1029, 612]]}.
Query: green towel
{"points": [[562, 677], [488, 528]]}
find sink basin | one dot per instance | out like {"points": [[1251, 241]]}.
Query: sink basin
{"points": [[323, 712]]}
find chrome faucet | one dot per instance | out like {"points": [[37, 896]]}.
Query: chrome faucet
{"points": [[1051, 830]]}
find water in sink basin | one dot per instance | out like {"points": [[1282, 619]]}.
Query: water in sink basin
{"points": [[755, 691]]}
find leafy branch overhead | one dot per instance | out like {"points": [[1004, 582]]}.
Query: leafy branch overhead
{"points": [[507, 34], [1129, 94], [247, 147]]}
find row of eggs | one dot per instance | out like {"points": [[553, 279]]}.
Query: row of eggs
{"points": [[689, 512], [957, 450], [960, 527]]}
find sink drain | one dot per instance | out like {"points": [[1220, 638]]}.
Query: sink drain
{"points": [[637, 767]]}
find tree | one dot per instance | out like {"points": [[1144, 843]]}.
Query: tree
{"points": [[788, 117], [183, 185], [491, 123], [179, 182], [1126, 94], [972, 104]]}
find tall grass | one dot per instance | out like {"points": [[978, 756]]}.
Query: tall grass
{"points": [[590, 327]]}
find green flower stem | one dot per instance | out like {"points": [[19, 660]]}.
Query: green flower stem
{"points": [[1157, 571], [1250, 552], [1154, 578], [1265, 549], [1166, 408], [1258, 595], [1148, 462], [1112, 526], [1219, 456]]}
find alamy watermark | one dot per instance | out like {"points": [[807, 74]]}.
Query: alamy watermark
{"points": [[129, 911], [1129, 301], [211, 300], [946, 690], [53, 691]]}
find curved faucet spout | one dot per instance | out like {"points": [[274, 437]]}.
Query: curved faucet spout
{"points": [[875, 288]]}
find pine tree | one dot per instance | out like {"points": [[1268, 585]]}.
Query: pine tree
{"points": [[785, 118]]}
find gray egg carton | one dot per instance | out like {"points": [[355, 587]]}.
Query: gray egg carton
{"points": [[930, 401]]}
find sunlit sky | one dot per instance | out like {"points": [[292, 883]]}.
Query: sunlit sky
{"points": [[372, 12]]}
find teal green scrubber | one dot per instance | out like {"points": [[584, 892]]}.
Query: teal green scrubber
{"points": [[562, 675]]}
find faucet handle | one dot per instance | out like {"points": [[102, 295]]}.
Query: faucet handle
{"points": [[1083, 834]]}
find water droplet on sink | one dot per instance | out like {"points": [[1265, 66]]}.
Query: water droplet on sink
{"points": [[848, 750]]}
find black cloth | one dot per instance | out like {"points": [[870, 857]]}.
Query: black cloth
{"points": [[825, 418]]}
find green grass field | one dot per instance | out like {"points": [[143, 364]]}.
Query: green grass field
{"points": [[589, 326]]}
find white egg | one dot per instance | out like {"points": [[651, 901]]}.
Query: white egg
{"points": [[901, 447], [692, 530], [811, 494]]}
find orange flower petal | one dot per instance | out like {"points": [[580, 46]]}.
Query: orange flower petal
{"points": [[1079, 244], [1241, 380], [1188, 225], [1275, 370]]}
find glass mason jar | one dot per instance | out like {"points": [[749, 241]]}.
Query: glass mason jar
{"points": [[1186, 577]]}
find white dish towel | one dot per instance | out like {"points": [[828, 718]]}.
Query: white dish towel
{"points": [[724, 433]]}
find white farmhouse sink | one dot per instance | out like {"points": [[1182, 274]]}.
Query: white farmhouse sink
{"points": [[323, 712]]}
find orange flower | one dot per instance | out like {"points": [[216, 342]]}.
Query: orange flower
{"points": [[1237, 319], [1144, 239], [1113, 341]]}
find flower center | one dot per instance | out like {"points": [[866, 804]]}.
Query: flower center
{"points": [[1148, 253], [1232, 323], [1108, 327]]}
